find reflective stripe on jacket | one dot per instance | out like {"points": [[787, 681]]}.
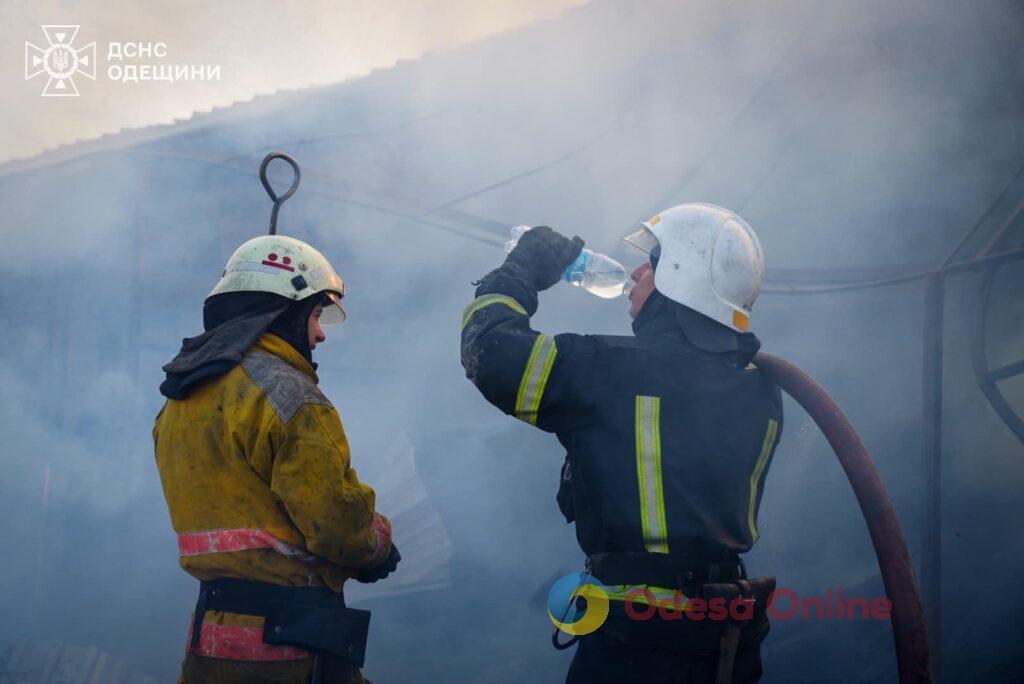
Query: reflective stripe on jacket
{"points": [[667, 444], [256, 471]]}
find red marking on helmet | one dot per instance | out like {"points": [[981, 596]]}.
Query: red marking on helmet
{"points": [[287, 260], [277, 265], [272, 256]]}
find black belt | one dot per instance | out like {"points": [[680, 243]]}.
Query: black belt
{"points": [[313, 618], [663, 570]]}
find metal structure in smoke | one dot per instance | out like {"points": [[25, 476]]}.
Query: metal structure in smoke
{"points": [[989, 261]]}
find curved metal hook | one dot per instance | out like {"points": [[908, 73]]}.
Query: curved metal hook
{"points": [[278, 200]]}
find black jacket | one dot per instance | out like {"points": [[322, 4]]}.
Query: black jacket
{"points": [[667, 443]]}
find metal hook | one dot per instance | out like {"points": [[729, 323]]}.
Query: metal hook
{"points": [[278, 201]]}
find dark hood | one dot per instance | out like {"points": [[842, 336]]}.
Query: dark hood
{"points": [[661, 314], [292, 325], [232, 322]]}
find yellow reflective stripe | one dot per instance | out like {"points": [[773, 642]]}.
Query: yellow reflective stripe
{"points": [[486, 300], [535, 377], [648, 471], [755, 477], [634, 593]]}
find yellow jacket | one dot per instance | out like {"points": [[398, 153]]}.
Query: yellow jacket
{"points": [[255, 469]]}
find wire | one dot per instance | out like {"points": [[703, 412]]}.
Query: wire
{"points": [[984, 216], [990, 245], [537, 169], [994, 258], [843, 287], [323, 193], [340, 136], [671, 196]]}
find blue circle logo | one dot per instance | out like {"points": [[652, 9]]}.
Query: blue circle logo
{"points": [[566, 610]]}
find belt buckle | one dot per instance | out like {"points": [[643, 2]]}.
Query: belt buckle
{"points": [[729, 571], [742, 568]]}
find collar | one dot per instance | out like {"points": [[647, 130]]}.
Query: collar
{"points": [[655, 317], [695, 331], [273, 344]]}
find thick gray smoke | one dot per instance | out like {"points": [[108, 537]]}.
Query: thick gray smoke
{"points": [[867, 135]]}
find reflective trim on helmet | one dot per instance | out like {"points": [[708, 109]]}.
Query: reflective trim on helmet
{"points": [[535, 378], [486, 300], [325, 279], [642, 239], [648, 472], [333, 313], [758, 474], [740, 320], [257, 266]]}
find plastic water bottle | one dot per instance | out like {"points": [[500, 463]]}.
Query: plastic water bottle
{"points": [[594, 272]]}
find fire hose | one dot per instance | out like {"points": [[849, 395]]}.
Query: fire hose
{"points": [[908, 623]]}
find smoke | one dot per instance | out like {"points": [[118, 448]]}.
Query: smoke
{"points": [[261, 47], [869, 135]]}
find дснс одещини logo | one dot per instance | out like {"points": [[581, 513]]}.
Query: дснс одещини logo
{"points": [[60, 61]]}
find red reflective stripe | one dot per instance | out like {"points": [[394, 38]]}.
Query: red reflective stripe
{"points": [[227, 541], [240, 643]]}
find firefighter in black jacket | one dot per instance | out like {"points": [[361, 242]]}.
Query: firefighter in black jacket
{"points": [[668, 434]]}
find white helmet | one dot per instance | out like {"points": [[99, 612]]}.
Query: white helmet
{"points": [[710, 260], [284, 266]]}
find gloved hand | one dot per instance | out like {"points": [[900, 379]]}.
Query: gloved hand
{"points": [[379, 572], [543, 255]]}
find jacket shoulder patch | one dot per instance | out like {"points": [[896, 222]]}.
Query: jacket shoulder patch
{"points": [[287, 388]]}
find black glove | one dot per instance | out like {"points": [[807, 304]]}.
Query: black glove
{"points": [[543, 254], [370, 575]]}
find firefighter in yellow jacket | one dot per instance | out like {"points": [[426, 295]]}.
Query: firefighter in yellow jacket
{"points": [[270, 516]]}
